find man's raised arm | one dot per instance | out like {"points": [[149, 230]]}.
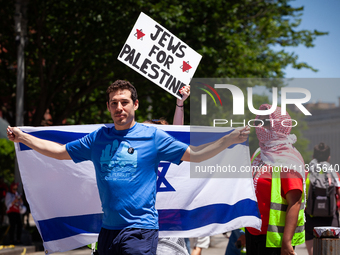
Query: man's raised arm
{"points": [[45, 147], [209, 150]]}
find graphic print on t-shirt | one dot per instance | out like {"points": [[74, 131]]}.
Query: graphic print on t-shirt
{"points": [[118, 161]]}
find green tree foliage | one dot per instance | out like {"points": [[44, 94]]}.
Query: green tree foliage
{"points": [[8, 55], [71, 55], [7, 156]]}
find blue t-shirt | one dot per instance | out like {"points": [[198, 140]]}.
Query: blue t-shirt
{"points": [[126, 163]]}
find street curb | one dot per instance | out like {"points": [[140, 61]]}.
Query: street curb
{"points": [[16, 250]]}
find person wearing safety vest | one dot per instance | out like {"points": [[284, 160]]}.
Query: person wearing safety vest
{"points": [[279, 179]]}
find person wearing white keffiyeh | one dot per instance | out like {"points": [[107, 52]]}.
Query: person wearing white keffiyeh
{"points": [[277, 152]]}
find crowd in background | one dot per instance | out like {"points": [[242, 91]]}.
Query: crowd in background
{"points": [[14, 211]]}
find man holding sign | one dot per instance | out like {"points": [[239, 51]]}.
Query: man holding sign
{"points": [[126, 158]]}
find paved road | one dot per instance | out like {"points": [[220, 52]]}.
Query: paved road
{"points": [[217, 247]]}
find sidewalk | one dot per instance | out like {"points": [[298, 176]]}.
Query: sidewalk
{"points": [[16, 250], [218, 245]]}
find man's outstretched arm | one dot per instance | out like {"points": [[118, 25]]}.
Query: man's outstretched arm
{"points": [[207, 151], [45, 147]]}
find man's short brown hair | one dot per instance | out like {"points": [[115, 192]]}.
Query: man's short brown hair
{"points": [[120, 85]]}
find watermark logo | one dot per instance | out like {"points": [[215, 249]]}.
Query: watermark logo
{"points": [[204, 97], [232, 102], [238, 99]]}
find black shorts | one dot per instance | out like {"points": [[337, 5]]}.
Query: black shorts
{"points": [[312, 222], [132, 241], [256, 245]]}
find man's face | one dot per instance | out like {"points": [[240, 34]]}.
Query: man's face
{"points": [[122, 109]]}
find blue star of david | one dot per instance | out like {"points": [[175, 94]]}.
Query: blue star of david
{"points": [[161, 178]]}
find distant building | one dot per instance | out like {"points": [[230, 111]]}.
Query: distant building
{"points": [[319, 106], [324, 126], [313, 106]]}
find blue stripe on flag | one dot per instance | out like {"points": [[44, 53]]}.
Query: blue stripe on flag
{"points": [[169, 219], [55, 136], [180, 136], [179, 219], [198, 138], [194, 138], [62, 227]]}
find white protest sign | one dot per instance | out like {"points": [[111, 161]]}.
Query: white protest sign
{"points": [[158, 55]]}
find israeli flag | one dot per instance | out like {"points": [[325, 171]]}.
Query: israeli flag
{"points": [[192, 200]]}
